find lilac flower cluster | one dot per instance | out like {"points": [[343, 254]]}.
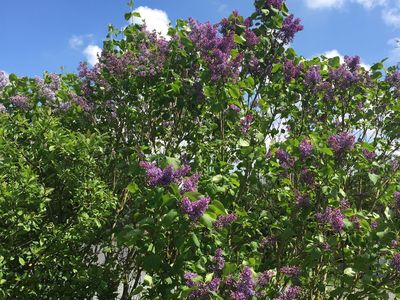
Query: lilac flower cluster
{"points": [[369, 155], [290, 70], [302, 200], [21, 102], [234, 107], [3, 109], [327, 89], [312, 77], [352, 62], [285, 160], [244, 287], [3, 80], [246, 123], [290, 293], [394, 80], [356, 222], [343, 77], [218, 260], [341, 143], [305, 147], [189, 184], [306, 176], [290, 27], [264, 278], [251, 37], [333, 216], [201, 290], [397, 200], [194, 209], [396, 262], [157, 176], [268, 241], [45, 90], [292, 271], [82, 102], [225, 220], [274, 3]]}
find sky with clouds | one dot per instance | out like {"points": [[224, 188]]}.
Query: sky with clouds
{"points": [[55, 36]]}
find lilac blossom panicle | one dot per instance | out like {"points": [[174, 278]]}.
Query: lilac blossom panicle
{"points": [[374, 225], [312, 77], [352, 62], [274, 3], [204, 289], [82, 102], [246, 123], [327, 89], [341, 143], [65, 106], [234, 107], [306, 176], [3, 109], [244, 287], [396, 196], [290, 27], [302, 200], [157, 176], [396, 261], [292, 271], [290, 293], [394, 244], [194, 209], [21, 102], [285, 160], [356, 222], [342, 77], [3, 80], [44, 90], [264, 278], [290, 70], [189, 184], [189, 276], [344, 204], [218, 260], [369, 155], [251, 38], [334, 217], [305, 147], [224, 220]]}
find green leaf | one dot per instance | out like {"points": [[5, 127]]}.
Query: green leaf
{"points": [[21, 261], [373, 177], [133, 188], [349, 272], [170, 217], [239, 39]]}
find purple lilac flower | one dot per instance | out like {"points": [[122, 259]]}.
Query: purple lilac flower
{"points": [[333, 216], [289, 28], [292, 271], [157, 176], [312, 77], [225, 220], [81, 101], [305, 147], [325, 246], [251, 38], [284, 158], [344, 204], [244, 287], [3, 109], [302, 200], [268, 241], [342, 77], [306, 176], [204, 289], [189, 184], [44, 90], [65, 106], [218, 260], [290, 293], [195, 209], [153, 172], [234, 107], [374, 225], [3, 79], [290, 70], [246, 123], [352, 62], [396, 196], [189, 276], [356, 222], [274, 3], [327, 89], [370, 155], [20, 101], [396, 262], [264, 278], [394, 243], [341, 143]]}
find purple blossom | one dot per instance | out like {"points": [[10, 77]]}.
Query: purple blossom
{"points": [[284, 158], [244, 287], [305, 147], [21, 102], [344, 204], [327, 89], [234, 108], [394, 243], [396, 196], [289, 28], [246, 123], [44, 90], [290, 70], [396, 262], [352, 62], [274, 3], [356, 222], [302, 200], [204, 289], [370, 155], [82, 102], [374, 225], [194, 209], [343, 77], [3, 80], [153, 172], [290, 293], [306, 176], [3, 109], [341, 143], [264, 278], [225, 220], [189, 184], [189, 276], [268, 241], [251, 38], [312, 77], [333, 216], [65, 106], [218, 260], [292, 271], [157, 176]]}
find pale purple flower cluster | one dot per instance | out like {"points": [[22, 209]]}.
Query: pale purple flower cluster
{"points": [[290, 70], [342, 142], [302, 200], [394, 244], [305, 147], [290, 27], [396, 262], [274, 3], [194, 209], [224, 220], [268, 241], [312, 77], [234, 107], [21, 102], [285, 160], [352, 62], [290, 293], [264, 278], [3, 109], [157, 176], [370, 155], [374, 225], [397, 200], [327, 89], [333, 216], [306, 176], [82, 102], [344, 204], [215, 49], [394, 80], [343, 77], [218, 260], [251, 37], [189, 276], [65, 106], [356, 222], [292, 271], [44, 90], [246, 123], [244, 287], [189, 184], [3, 79], [202, 290]]}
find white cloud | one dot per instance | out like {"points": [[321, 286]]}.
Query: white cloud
{"points": [[391, 17], [371, 3], [155, 19], [77, 41], [92, 52], [320, 4]]}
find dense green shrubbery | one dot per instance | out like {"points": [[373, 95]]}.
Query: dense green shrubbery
{"points": [[213, 164]]}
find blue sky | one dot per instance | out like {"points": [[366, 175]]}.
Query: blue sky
{"points": [[47, 35]]}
